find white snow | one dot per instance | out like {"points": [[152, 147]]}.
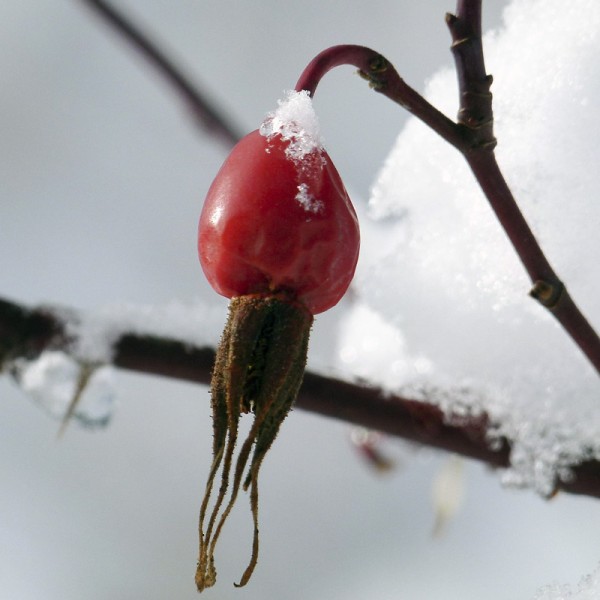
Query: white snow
{"points": [[587, 589], [443, 307], [372, 348], [196, 323], [52, 379], [307, 200], [295, 120]]}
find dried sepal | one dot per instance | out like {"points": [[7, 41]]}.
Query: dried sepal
{"points": [[259, 368]]}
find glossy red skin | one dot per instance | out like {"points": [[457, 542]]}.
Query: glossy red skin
{"points": [[255, 237]]}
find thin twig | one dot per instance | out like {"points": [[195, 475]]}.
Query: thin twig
{"points": [[27, 332], [476, 117], [204, 110]]}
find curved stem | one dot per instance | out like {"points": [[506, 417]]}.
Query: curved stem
{"points": [[383, 78], [365, 59]]}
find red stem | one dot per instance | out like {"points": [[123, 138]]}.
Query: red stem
{"points": [[469, 11], [383, 78], [361, 57]]}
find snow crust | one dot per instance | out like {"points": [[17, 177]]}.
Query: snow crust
{"points": [[51, 379], [443, 310], [196, 323], [587, 589]]}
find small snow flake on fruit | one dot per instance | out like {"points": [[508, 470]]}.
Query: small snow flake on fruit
{"points": [[279, 236]]}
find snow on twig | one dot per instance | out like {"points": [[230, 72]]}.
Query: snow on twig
{"points": [[26, 333]]}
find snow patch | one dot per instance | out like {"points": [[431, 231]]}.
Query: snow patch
{"points": [[587, 589], [51, 381], [95, 333], [307, 200]]}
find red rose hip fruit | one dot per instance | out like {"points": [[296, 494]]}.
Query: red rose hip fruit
{"points": [[275, 223]]}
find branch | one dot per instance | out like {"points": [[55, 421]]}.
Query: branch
{"points": [[476, 116], [25, 333], [473, 136], [203, 110]]}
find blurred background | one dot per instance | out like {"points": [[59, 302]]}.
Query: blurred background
{"points": [[102, 176]]}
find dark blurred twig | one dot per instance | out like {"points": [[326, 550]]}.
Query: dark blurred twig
{"points": [[203, 109]]}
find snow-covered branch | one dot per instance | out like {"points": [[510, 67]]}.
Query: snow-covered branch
{"points": [[25, 333]]}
